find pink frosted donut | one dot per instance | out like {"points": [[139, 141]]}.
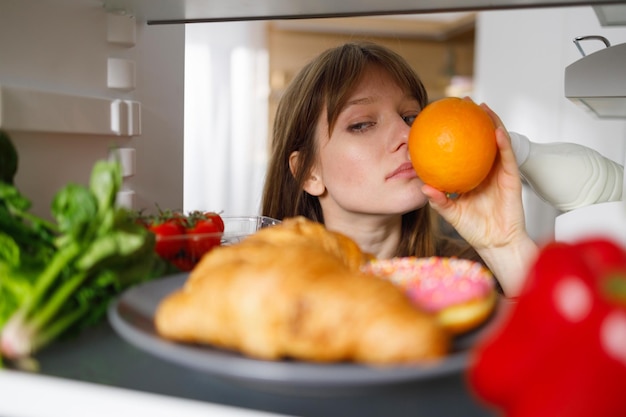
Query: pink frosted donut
{"points": [[460, 292]]}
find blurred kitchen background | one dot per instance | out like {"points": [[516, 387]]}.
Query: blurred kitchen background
{"points": [[192, 105]]}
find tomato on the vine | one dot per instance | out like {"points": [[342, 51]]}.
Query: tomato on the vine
{"points": [[216, 218], [204, 235], [183, 263], [169, 244], [182, 239]]}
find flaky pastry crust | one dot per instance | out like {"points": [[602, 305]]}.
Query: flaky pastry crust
{"points": [[296, 290]]}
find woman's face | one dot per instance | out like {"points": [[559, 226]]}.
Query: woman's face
{"points": [[364, 167]]}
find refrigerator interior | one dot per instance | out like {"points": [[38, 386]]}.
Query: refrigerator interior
{"points": [[87, 78], [64, 106]]}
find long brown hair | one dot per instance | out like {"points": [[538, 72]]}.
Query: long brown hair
{"points": [[326, 82]]}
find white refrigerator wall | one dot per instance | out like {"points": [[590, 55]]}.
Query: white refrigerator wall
{"points": [[61, 47], [521, 56]]}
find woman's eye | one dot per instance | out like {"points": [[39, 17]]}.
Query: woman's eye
{"points": [[359, 127], [409, 119]]}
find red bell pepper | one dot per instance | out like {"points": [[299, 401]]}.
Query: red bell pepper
{"points": [[560, 351]]}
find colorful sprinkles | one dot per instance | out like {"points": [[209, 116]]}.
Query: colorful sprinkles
{"points": [[434, 283]]}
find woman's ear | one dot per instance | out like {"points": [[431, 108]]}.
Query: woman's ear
{"points": [[313, 184]]}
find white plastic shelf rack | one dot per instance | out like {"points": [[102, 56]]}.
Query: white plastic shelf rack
{"points": [[29, 110]]}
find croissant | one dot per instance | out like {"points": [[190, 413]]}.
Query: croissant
{"points": [[296, 290]]}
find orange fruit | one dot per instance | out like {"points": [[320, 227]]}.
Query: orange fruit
{"points": [[452, 145]]}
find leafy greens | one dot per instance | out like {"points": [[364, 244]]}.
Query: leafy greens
{"points": [[59, 277]]}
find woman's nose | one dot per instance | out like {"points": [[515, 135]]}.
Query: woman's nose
{"points": [[399, 134]]}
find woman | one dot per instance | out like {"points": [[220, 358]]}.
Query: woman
{"points": [[340, 158]]}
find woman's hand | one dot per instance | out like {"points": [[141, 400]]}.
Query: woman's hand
{"points": [[491, 217]]}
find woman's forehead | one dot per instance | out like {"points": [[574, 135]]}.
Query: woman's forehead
{"points": [[375, 78]]}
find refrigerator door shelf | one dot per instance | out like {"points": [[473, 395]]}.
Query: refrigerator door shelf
{"points": [[44, 111]]}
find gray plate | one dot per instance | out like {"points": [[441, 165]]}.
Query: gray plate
{"points": [[131, 316]]}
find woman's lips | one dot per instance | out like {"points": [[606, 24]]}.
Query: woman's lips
{"points": [[403, 171]]}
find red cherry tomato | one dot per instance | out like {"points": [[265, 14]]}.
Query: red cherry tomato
{"points": [[204, 235], [182, 239], [183, 262], [217, 219], [170, 241]]}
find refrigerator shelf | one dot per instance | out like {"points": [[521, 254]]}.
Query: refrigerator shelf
{"points": [[45, 111]]}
